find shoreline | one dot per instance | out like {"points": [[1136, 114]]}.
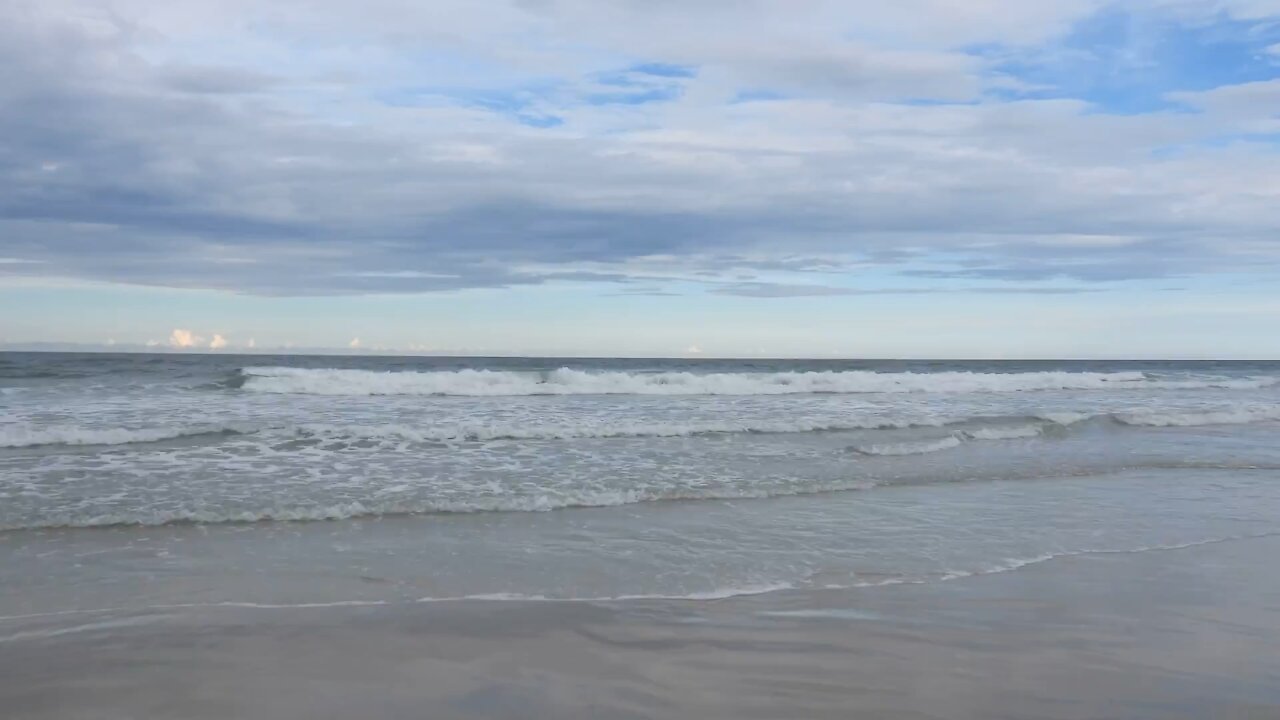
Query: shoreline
{"points": [[1010, 565], [1173, 633]]}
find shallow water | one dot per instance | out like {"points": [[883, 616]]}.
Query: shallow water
{"points": [[1156, 634]]}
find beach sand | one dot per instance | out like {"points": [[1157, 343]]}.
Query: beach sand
{"points": [[1186, 633]]}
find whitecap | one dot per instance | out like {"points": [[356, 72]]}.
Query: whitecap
{"points": [[565, 381]]}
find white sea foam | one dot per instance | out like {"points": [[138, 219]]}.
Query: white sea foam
{"points": [[566, 381], [723, 593], [919, 447], [1253, 383], [535, 502], [1006, 432], [1003, 566], [932, 445], [602, 429], [25, 434], [17, 434], [1228, 416], [1066, 418], [29, 435]]}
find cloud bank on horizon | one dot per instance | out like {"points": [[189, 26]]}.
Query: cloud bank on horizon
{"points": [[758, 150]]}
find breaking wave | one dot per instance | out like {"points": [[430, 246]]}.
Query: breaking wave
{"points": [[918, 447], [28, 435], [1003, 433], [534, 502], [955, 439], [19, 435], [565, 381], [1232, 416]]}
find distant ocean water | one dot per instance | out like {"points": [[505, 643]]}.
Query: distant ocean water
{"points": [[167, 476]]}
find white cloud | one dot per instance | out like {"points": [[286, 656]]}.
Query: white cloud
{"points": [[830, 166], [355, 343], [251, 344], [181, 338], [218, 342]]}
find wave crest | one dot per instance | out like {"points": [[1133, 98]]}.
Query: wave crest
{"points": [[19, 435], [1231, 416], [918, 447], [27, 435], [366, 508], [566, 381]]}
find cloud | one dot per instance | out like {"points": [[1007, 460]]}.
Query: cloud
{"points": [[218, 342], [393, 148], [214, 81], [182, 339], [355, 343], [784, 290], [773, 290]]}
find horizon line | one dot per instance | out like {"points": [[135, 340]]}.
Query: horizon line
{"points": [[338, 352]]}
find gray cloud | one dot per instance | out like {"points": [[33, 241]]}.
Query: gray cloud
{"points": [[215, 81], [776, 290], [782, 290]]}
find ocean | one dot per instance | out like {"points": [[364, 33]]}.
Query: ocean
{"points": [[567, 478], [138, 488]]}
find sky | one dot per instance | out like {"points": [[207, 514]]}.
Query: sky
{"points": [[920, 178]]}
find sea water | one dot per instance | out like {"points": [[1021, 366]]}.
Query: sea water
{"points": [[130, 481]]}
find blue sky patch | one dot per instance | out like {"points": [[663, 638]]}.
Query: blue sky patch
{"points": [[664, 70], [1127, 62], [636, 97]]}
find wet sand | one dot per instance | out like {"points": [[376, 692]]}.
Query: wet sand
{"points": [[1188, 633]]}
